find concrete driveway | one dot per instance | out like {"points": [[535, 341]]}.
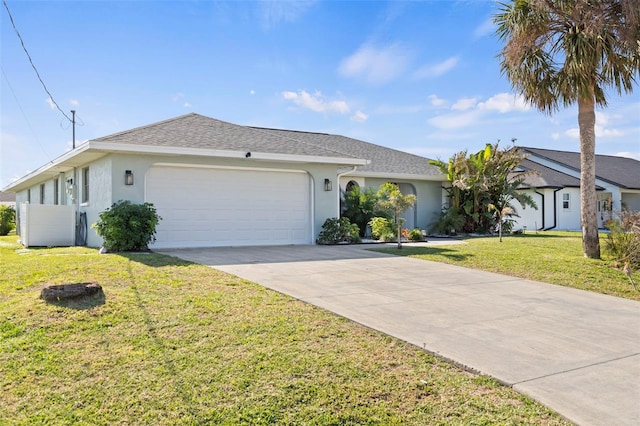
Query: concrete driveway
{"points": [[574, 351]]}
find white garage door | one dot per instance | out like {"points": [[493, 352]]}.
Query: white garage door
{"points": [[206, 207]]}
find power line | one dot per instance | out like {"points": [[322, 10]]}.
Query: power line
{"points": [[35, 136], [31, 62]]}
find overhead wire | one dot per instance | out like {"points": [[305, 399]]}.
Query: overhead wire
{"points": [[35, 135], [31, 62]]}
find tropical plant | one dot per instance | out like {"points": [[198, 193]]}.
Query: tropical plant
{"points": [[127, 227], [7, 219], [482, 184], [340, 230], [415, 235], [382, 228], [361, 206], [392, 200], [567, 52]]}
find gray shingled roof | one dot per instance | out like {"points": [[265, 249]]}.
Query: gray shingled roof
{"points": [[545, 177], [383, 160], [620, 171], [197, 131], [7, 197]]}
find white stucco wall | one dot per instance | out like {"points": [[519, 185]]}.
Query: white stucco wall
{"points": [[428, 194], [325, 203]]}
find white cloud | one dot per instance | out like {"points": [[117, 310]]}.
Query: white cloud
{"points": [[74, 102], [435, 70], [485, 28], [436, 101], [359, 117], [505, 102], [276, 11], [573, 133], [186, 105], [455, 121], [252, 92], [376, 65], [555, 136], [51, 104], [316, 102], [464, 104], [601, 132]]}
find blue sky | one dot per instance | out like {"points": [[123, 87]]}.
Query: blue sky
{"points": [[419, 76]]}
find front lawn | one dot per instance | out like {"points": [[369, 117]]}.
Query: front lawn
{"points": [[178, 343], [552, 257]]}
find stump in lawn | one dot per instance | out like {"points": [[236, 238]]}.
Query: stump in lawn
{"points": [[62, 292]]}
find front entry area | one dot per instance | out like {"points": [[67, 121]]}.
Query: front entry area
{"points": [[217, 207]]}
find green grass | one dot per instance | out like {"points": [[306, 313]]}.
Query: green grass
{"points": [[178, 343], [552, 257]]}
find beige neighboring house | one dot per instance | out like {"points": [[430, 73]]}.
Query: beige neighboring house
{"points": [[8, 199]]}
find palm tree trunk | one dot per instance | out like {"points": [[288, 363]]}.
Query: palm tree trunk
{"points": [[588, 198]]}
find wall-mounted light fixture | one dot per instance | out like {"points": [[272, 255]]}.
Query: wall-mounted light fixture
{"points": [[327, 185], [128, 177]]}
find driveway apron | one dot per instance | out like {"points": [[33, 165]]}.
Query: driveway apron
{"points": [[575, 351]]}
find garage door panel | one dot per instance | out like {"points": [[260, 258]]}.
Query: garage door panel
{"points": [[223, 207]]}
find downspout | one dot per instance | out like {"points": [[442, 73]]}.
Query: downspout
{"points": [[542, 204], [555, 210], [353, 169]]}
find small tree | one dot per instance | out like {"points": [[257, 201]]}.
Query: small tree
{"points": [[391, 199], [7, 219], [361, 206], [128, 227]]}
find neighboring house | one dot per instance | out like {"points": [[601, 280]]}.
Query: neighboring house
{"points": [[7, 199], [220, 184], [556, 188]]}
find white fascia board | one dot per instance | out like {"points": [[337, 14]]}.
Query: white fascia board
{"points": [[59, 165], [399, 176], [218, 153]]}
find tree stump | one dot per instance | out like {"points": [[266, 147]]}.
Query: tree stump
{"points": [[57, 293]]}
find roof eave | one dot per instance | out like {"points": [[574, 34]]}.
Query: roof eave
{"points": [[399, 176], [92, 150]]}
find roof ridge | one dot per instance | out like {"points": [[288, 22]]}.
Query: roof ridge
{"points": [[266, 130], [146, 126]]}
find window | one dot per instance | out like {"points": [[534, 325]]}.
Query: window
{"points": [[566, 201], [42, 194], [85, 185], [56, 191]]}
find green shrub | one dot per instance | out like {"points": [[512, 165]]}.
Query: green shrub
{"points": [[7, 219], [623, 240], [415, 235], [383, 229], [336, 231], [128, 227], [361, 206]]}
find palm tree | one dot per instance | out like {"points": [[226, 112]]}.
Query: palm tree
{"points": [[566, 52]]}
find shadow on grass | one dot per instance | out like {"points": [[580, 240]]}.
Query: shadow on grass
{"points": [[431, 251], [154, 260], [81, 303]]}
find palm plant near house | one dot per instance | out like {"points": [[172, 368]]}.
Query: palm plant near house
{"points": [[483, 187], [567, 52]]}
